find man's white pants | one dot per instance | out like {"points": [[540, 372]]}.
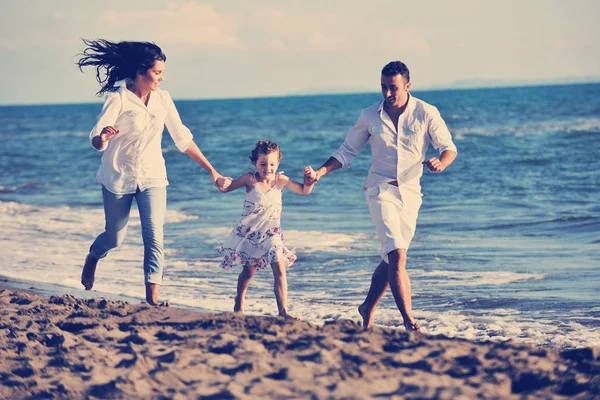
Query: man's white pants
{"points": [[394, 211]]}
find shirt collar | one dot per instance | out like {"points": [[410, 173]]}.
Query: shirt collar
{"points": [[409, 105], [122, 82]]}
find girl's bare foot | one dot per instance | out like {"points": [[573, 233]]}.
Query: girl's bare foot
{"points": [[238, 306], [367, 316], [152, 290], [89, 272], [285, 315]]}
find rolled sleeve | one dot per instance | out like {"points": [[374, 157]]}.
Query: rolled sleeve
{"points": [[355, 142], [440, 136], [108, 116], [180, 133]]}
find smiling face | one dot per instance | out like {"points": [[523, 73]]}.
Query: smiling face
{"points": [[152, 77], [395, 90], [266, 165]]}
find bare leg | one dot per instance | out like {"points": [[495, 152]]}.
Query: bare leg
{"points": [[379, 284], [242, 286], [152, 290], [280, 288], [88, 273], [400, 285]]}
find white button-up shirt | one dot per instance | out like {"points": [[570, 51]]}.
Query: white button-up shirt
{"points": [[396, 156], [133, 157]]}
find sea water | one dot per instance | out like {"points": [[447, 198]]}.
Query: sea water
{"points": [[507, 243]]}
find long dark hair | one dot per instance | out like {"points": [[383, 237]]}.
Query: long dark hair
{"points": [[116, 61]]}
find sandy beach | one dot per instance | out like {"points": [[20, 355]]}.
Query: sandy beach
{"points": [[64, 347]]}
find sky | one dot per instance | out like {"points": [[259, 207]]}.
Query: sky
{"points": [[259, 48]]}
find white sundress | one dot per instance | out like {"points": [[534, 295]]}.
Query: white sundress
{"points": [[257, 238]]}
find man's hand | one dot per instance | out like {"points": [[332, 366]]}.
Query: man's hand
{"points": [[434, 165], [310, 176]]}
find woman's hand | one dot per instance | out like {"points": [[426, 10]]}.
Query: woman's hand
{"points": [[223, 182], [101, 141], [107, 133]]}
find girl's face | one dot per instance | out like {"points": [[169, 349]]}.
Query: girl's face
{"points": [[267, 165], [153, 77]]}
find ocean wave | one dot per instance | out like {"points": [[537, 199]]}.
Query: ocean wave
{"points": [[565, 126], [473, 278]]}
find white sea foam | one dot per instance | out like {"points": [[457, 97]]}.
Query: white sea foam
{"points": [[48, 244], [473, 278], [310, 241]]}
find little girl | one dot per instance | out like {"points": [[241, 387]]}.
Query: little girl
{"points": [[257, 240]]}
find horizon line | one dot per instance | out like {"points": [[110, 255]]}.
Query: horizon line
{"points": [[431, 88]]}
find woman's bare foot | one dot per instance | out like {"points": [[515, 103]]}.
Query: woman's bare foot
{"points": [[286, 315], [238, 306], [89, 272], [152, 290], [367, 316]]}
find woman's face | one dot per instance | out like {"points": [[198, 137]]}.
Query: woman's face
{"points": [[153, 77]]}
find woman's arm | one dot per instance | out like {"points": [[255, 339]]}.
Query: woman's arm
{"points": [[195, 154], [104, 129]]}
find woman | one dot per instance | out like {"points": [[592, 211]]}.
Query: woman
{"points": [[129, 132]]}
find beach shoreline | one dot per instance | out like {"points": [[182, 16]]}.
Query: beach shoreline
{"points": [[63, 346]]}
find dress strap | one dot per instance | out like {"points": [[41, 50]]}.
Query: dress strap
{"points": [[251, 171], [277, 179]]}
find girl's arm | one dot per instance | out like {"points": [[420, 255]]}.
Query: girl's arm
{"points": [[244, 180], [295, 187]]}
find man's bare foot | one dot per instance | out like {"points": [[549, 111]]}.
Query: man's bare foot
{"points": [[89, 272], [238, 306], [152, 290], [285, 315], [412, 326], [366, 315]]}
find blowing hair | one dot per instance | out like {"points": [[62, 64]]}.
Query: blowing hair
{"points": [[396, 68], [265, 147], [115, 61]]}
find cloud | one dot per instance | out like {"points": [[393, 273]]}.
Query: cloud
{"points": [[185, 23], [281, 31], [407, 40], [7, 44]]}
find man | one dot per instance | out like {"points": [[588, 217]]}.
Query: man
{"points": [[399, 129]]}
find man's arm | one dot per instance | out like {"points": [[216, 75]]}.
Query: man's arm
{"points": [[330, 165], [438, 165]]}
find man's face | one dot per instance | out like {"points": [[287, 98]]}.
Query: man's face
{"points": [[394, 90]]}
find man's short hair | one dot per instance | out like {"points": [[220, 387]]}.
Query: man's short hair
{"points": [[396, 68]]}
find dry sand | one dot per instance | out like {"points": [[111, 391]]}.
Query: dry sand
{"points": [[65, 347]]}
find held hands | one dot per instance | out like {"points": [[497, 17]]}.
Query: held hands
{"points": [[223, 182], [434, 165], [310, 176]]}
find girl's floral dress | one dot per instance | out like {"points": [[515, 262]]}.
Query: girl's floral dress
{"points": [[257, 238]]}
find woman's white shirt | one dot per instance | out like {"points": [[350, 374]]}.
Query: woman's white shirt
{"points": [[133, 158]]}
